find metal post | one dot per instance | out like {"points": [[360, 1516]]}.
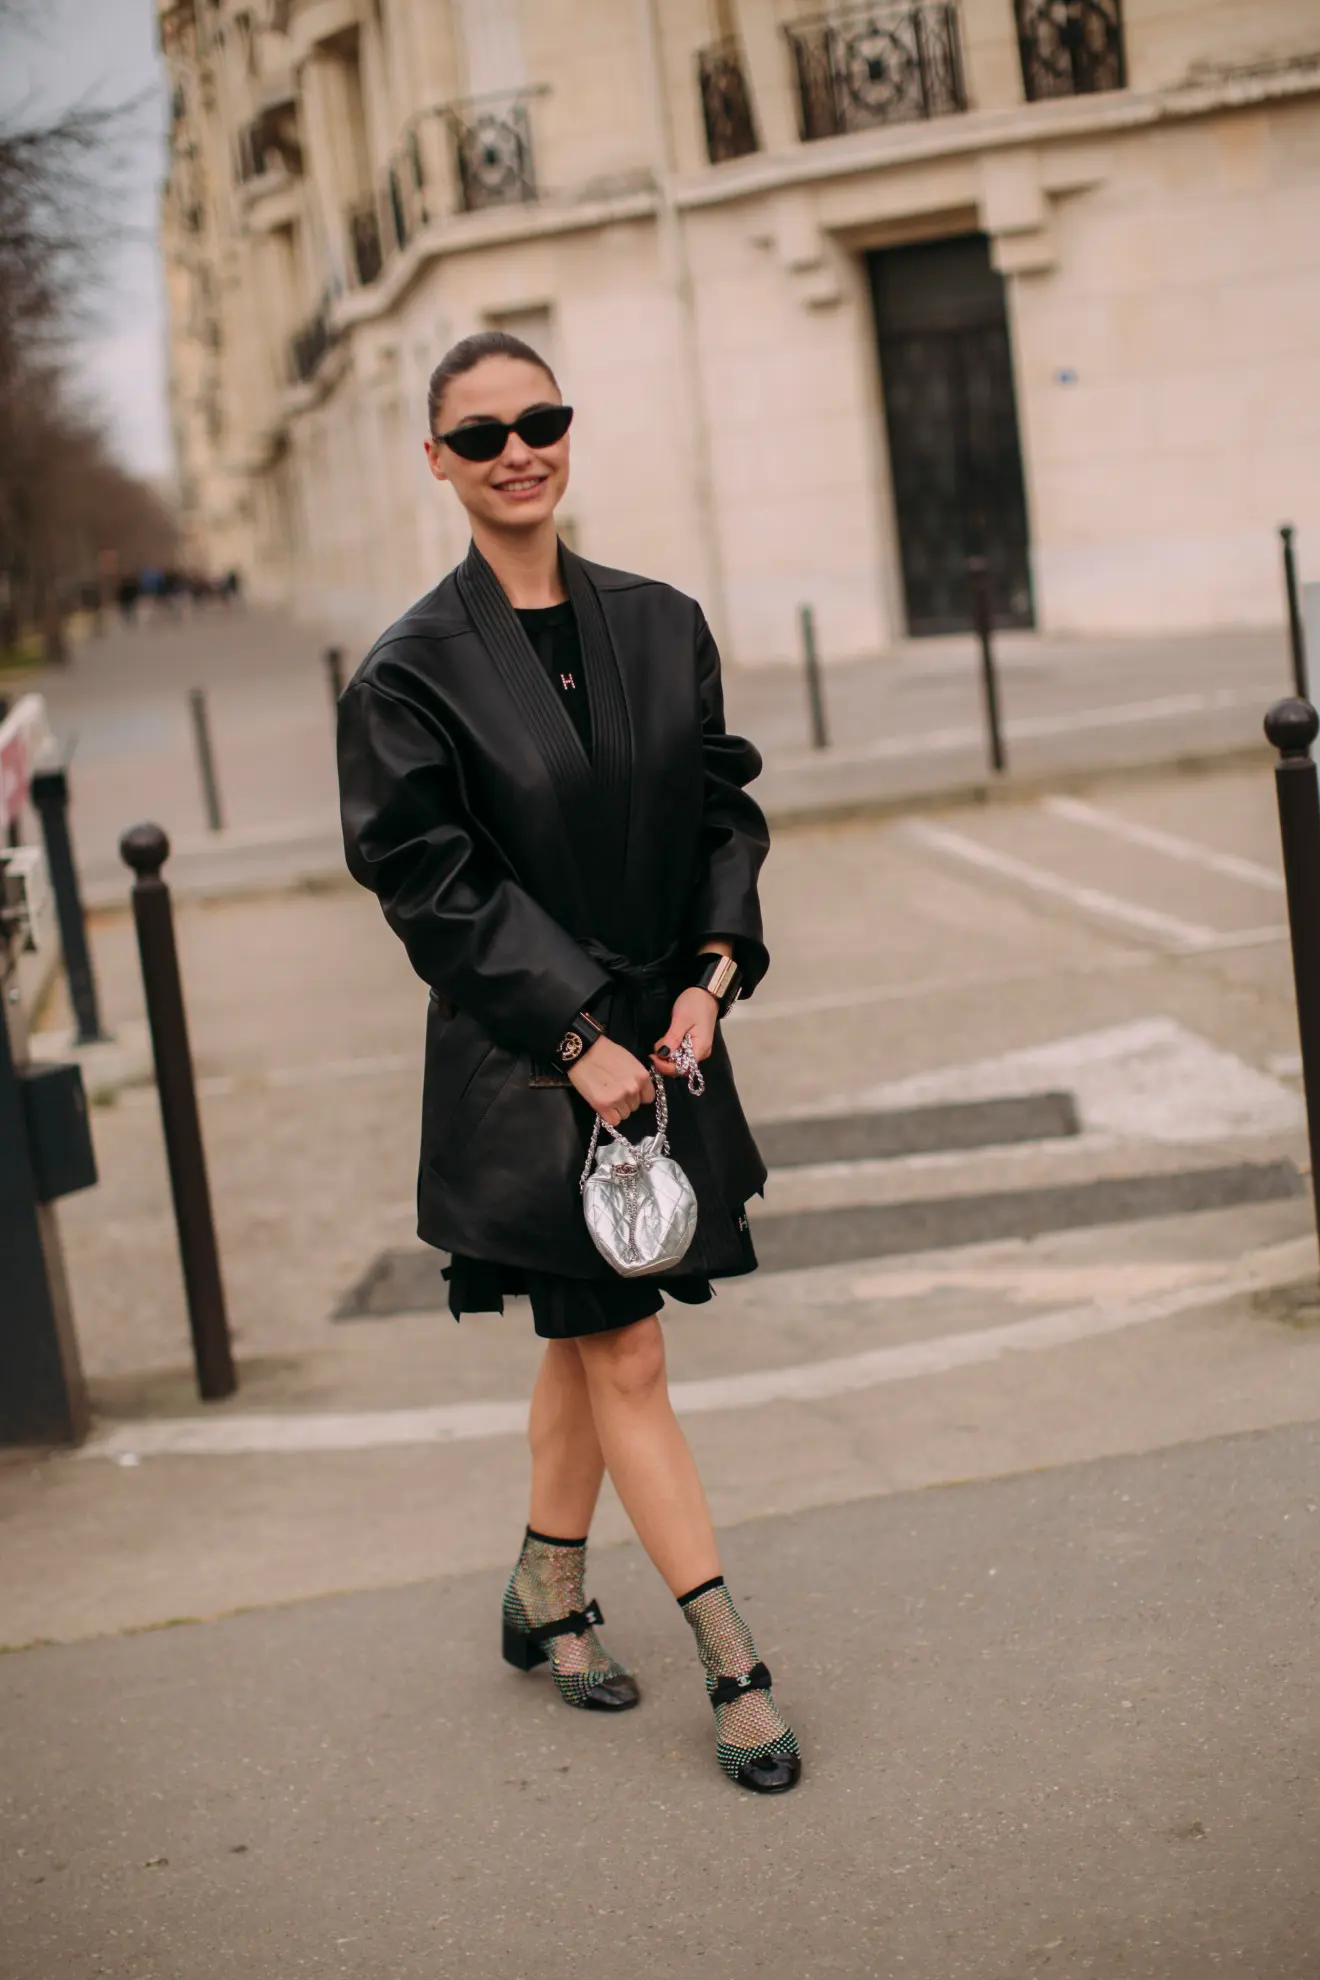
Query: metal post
{"points": [[50, 795], [205, 759], [334, 669], [43, 1398], [978, 581], [815, 689], [1296, 630], [145, 848], [1292, 727]]}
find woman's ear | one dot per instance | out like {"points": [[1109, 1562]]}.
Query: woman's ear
{"points": [[432, 452]]}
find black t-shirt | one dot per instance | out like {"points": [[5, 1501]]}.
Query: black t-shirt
{"points": [[553, 631]]}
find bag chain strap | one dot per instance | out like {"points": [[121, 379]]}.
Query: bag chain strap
{"points": [[686, 1060]]}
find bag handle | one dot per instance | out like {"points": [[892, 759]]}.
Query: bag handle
{"points": [[662, 1130]]}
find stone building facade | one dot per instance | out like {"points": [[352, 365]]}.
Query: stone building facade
{"points": [[841, 296]]}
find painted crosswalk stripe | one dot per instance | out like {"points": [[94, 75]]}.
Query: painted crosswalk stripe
{"points": [[1229, 865]]}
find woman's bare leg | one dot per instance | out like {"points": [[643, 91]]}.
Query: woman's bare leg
{"points": [[567, 1465], [646, 1453]]}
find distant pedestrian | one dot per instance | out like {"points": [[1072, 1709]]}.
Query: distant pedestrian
{"points": [[127, 594], [537, 782], [231, 587]]}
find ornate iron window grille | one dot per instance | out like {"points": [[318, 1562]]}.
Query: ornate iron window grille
{"points": [[492, 138], [877, 65], [726, 102], [1070, 47]]}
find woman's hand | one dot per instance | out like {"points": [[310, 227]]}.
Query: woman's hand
{"points": [[612, 1081], [697, 1012]]}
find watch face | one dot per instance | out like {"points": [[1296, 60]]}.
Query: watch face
{"points": [[570, 1047]]}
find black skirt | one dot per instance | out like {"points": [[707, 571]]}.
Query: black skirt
{"points": [[565, 1309]]}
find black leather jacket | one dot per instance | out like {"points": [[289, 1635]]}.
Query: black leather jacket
{"points": [[526, 881]]}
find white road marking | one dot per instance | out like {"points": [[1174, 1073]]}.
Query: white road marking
{"points": [[816, 1381], [1025, 728], [1091, 900], [1187, 937], [1229, 865], [1150, 1080]]}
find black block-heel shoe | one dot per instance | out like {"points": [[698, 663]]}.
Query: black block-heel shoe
{"points": [[771, 1768], [610, 1689]]}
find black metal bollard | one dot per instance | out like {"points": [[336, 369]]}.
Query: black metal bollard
{"points": [[815, 686], [145, 848], [201, 722], [978, 584], [1292, 727], [50, 795], [334, 673], [1296, 630]]}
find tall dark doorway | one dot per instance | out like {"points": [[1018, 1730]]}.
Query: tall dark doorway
{"points": [[947, 373]]}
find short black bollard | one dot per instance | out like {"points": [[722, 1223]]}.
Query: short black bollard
{"points": [[145, 848], [1292, 727], [1296, 630], [201, 722], [978, 584], [50, 795], [815, 687], [334, 672]]}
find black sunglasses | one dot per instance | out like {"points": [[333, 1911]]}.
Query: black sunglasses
{"points": [[486, 439]]}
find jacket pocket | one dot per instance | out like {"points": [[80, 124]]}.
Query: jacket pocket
{"points": [[465, 1074]]}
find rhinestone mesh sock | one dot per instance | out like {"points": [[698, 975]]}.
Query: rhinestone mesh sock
{"points": [[749, 1726], [547, 1583]]}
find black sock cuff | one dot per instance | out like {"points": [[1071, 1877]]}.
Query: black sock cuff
{"points": [[549, 1540], [702, 1588]]}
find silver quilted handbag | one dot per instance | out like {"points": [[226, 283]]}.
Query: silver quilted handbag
{"points": [[641, 1209]]}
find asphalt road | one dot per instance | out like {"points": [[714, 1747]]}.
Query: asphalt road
{"points": [[1056, 1725]]}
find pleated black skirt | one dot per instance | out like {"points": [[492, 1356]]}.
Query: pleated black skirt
{"points": [[565, 1309]]}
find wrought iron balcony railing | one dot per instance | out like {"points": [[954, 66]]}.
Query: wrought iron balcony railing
{"points": [[365, 242], [726, 102], [492, 138], [877, 65], [1070, 47], [310, 342]]}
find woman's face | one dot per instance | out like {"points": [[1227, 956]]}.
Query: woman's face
{"points": [[523, 485]]}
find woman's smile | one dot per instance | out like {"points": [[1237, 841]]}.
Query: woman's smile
{"points": [[523, 484]]}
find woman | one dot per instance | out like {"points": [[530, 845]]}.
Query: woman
{"points": [[577, 884]]}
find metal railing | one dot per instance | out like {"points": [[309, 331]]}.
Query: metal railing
{"points": [[877, 65], [726, 102], [1070, 47], [492, 139], [365, 242], [310, 343]]}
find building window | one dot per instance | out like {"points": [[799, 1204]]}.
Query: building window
{"points": [[1070, 47], [726, 102], [877, 65]]}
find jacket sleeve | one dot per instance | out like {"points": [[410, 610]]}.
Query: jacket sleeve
{"points": [[470, 930], [734, 835]]}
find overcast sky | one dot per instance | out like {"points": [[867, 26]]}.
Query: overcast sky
{"points": [[104, 51]]}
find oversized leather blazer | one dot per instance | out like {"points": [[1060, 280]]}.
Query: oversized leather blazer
{"points": [[525, 879]]}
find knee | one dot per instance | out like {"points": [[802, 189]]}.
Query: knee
{"points": [[630, 1362]]}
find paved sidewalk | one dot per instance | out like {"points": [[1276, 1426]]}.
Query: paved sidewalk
{"points": [[906, 728], [1056, 1726]]}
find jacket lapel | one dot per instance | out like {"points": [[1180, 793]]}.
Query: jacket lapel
{"points": [[593, 796]]}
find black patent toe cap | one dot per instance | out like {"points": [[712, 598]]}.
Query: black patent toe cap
{"points": [[771, 1773], [612, 1694]]}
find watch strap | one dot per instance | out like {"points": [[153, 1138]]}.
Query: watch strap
{"points": [[581, 1035]]}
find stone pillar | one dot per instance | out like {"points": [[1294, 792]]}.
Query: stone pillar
{"points": [[769, 73], [317, 106]]}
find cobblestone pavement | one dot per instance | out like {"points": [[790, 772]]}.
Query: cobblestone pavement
{"points": [[1050, 1717]]}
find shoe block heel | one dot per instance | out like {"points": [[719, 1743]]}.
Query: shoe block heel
{"points": [[520, 1651]]}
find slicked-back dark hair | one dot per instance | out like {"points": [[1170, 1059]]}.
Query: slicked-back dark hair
{"points": [[471, 351]]}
